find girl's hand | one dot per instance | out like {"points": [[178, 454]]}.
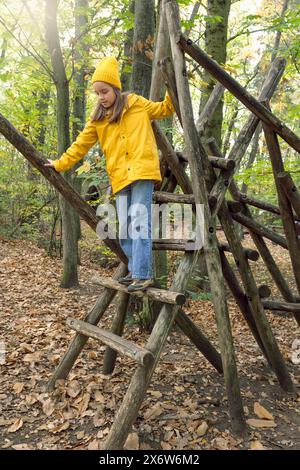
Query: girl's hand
{"points": [[49, 164]]}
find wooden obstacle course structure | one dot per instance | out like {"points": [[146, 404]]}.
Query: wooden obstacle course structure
{"points": [[212, 176]]}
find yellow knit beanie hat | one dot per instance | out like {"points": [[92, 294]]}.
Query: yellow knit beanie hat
{"points": [[107, 71]]}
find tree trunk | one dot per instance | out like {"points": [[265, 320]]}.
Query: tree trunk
{"points": [[215, 47], [128, 46], [70, 274]]}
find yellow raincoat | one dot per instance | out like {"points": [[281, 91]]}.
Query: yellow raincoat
{"points": [[129, 146]]}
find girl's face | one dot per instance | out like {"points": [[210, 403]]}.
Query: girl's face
{"points": [[106, 94]]}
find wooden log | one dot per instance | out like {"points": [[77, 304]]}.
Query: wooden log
{"points": [[244, 137], [117, 327], [140, 355], [161, 295], [284, 306], [163, 196], [194, 333], [288, 186], [284, 206], [93, 317], [195, 155], [223, 180], [266, 206], [37, 160], [240, 92]]}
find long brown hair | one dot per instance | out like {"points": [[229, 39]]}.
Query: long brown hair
{"points": [[99, 112]]}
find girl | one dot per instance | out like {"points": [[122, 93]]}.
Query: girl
{"points": [[122, 124]]}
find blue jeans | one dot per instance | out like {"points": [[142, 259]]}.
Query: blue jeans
{"points": [[134, 208]]}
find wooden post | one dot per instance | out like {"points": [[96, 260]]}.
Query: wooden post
{"points": [[210, 245], [239, 92], [117, 327], [36, 159]]}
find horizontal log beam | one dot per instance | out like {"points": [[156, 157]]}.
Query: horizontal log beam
{"points": [[140, 355]]}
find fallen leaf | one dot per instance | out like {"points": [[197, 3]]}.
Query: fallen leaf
{"points": [[132, 442], [261, 412], [16, 425]]}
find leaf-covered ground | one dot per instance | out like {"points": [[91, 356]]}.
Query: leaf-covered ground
{"points": [[185, 407]]}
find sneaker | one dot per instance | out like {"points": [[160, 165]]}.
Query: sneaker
{"points": [[140, 284], [126, 280]]}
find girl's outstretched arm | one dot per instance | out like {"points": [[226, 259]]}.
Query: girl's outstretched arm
{"points": [[158, 109], [85, 140]]}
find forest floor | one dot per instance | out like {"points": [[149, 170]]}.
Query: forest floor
{"points": [[185, 406]]}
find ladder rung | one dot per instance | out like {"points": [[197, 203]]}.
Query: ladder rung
{"points": [[140, 355], [161, 295], [173, 244]]}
